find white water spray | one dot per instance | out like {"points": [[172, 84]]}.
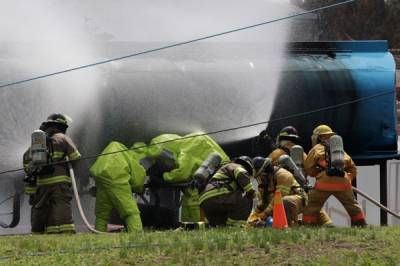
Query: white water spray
{"points": [[216, 84]]}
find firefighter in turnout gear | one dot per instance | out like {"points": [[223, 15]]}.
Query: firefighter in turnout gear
{"points": [[286, 139], [223, 197], [270, 180], [50, 183], [330, 181]]}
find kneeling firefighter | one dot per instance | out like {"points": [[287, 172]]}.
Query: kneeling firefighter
{"points": [[334, 170], [287, 144], [48, 179], [270, 180], [223, 197]]}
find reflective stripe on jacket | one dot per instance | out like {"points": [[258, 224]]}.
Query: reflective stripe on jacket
{"points": [[230, 177]]}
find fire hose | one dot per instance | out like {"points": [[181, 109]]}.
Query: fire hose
{"points": [[78, 201], [376, 203], [16, 211]]}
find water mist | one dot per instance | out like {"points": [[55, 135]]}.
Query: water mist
{"points": [[215, 84]]}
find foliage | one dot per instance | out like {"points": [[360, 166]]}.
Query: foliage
{"points": [[362, 20]]}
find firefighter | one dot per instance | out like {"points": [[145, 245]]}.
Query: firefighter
{"points": [[223, 197], [329, 182], [51, 202], [286, 139], [273, 179]]}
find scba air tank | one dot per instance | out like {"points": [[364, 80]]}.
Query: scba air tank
{"points": [[207, 168], [286, 162], [297, 155], [39, 147], [336, 152]]}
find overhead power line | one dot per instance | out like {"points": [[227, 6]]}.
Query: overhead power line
{"points": [[176, 44], [335, 106]]}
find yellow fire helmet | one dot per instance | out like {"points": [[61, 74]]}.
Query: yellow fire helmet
{"points": [[323, 130]]}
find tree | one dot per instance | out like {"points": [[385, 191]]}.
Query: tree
{"points": [[362, 20], [391, 30]]}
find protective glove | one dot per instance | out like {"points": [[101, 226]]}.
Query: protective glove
{"points": [[256, 219]]}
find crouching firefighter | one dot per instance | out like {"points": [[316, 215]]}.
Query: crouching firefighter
{"points": [[334, 170], [229, 193], [48, 180], [287, 144], [272, 179], [117, 176]]}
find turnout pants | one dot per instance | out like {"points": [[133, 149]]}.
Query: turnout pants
{"points": [[317, 198], [51, 209], [293, 207], [228, 206], [120, 198]]}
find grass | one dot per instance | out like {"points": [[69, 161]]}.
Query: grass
{"points": [[230, 246]]}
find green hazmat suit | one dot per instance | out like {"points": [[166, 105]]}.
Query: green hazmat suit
{"points": [[190, 205], [116, 176], [189, 152]]}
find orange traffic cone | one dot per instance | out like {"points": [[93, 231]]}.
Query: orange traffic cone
{"points": [[279, 215]]}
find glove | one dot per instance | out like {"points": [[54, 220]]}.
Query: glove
{"points": [[256, 219]]}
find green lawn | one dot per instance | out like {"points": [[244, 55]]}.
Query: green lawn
{"points": [[231, 246]]}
